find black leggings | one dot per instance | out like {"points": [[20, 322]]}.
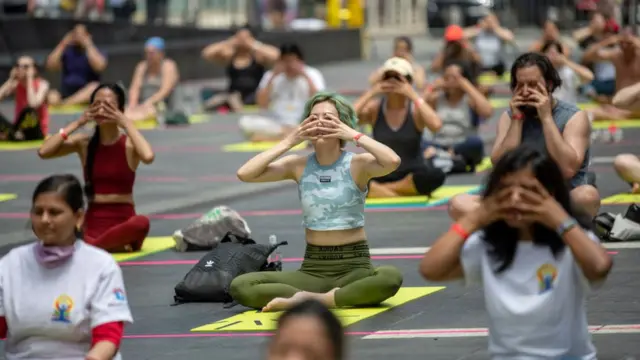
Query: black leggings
{"points": [[426, 177], [27, 123]]}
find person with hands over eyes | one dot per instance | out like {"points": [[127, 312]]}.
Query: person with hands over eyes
{"points": [[332, 186], [551, 126], [81, 64], [245, 59], [61, 298], [572, 74], [399, 116], [109, 159], [31, 114], [533, 257], [489, 39], [281, 96], [459, 105], [403, 48]]}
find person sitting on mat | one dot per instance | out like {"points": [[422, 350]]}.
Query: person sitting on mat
{"points": [[459, 105], [550, 33], [571, 73], [154, 80], [109, 160], [553, 126], [282, 94], [458, 50], [81, 64], [628, 165], [403, 48], [31, 115], [245, 59], [489, 39], [332, 184], [534, 257], [598, 57], [625, 57], [398, 120]]}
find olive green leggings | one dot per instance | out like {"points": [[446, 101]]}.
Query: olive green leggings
{"points": [[324, 268]]}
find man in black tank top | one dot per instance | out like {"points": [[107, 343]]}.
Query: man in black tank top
{"points": [[245, 59], [538, 120]]}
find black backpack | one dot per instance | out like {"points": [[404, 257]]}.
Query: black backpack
{"points": [[209, 280]]}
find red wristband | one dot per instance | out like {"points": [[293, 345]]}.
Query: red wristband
{"points": [[356, 138], [517, 117], [63, 134], [418, 102], [457, 228]]}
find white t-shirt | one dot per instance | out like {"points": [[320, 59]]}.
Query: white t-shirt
{"points": [[288, 96], [569, 90], [50, 312], [536, 307]]}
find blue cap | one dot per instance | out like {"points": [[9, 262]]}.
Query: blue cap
{"points": [[155, 42]]}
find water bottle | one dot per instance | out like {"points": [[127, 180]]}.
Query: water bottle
{"points": [[275, 255], [616, 133]]}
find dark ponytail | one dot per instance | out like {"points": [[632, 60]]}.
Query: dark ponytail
{"points": [[92, 148]]}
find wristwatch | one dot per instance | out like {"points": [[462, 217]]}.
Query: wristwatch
{"points": [[566, 226]]}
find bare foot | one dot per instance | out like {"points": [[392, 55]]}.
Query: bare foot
{"points": [[280, 304], [635, 189]]}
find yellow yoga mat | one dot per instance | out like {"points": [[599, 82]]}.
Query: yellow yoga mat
{"points": [[20, 145], [7, 197], [484, 165], [621, 199], [147, 124], [257, 146], [151, 245], [253, 320], [500, 103], [622, 124], [442, 193], [67, 109], [489, 79]]}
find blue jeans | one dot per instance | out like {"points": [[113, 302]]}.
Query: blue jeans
{"points": [[471, 149]]}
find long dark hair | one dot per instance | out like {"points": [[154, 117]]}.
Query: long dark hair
{"points": [[549, 73], [68, 187], [95, 139], [502, 238], [332, 325]]}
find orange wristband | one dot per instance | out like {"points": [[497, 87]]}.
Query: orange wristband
{"points": [[457, 228], [356, 138], [63, 134]]}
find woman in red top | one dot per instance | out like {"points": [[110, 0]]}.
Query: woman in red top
{"points": [[31, 121], [110, 159]]}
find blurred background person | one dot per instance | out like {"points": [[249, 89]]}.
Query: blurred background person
{"points": [[156, 11], [457, 50], [460, 105], [246, 60], [550, 33], [281, 96], [489, 40], [31, 114], [573, 75], [403, 48], [154, 81], [81, 64], [308, 331]]}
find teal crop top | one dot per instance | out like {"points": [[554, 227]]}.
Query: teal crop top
{"points": [[331, 199]]}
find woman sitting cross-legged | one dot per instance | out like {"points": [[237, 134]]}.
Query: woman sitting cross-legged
{"points": [[332, 184]]}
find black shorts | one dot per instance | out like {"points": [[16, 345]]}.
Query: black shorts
{"points": [[500, 68], [426, 177], [28, 123]]}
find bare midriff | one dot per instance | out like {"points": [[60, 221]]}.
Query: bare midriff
{"points": [[113, 198], [335, 237]]}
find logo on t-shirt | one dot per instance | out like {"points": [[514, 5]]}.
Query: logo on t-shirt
{"points": [[62, 307], [546, 275], [119, 294]]}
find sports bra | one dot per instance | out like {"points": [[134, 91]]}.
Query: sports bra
{"points": [[330, 198], [111, 172]]}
